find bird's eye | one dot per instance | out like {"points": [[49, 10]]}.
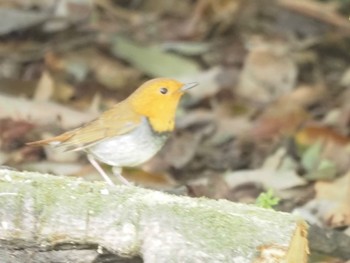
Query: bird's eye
{"points": [[163, 90]]}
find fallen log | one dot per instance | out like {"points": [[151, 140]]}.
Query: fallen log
{"points": [[40, 213]]}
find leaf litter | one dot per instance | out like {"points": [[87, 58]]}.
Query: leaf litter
{"points": [[271, 111]]}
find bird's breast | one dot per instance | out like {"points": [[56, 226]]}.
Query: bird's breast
{"points": [[130, 149]]}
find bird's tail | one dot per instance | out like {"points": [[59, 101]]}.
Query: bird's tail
{"points": [[55, 141]]}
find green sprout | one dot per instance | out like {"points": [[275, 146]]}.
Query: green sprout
{"points": [[267, 199]]}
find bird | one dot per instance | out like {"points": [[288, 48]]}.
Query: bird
{"points": [[130, 132]]}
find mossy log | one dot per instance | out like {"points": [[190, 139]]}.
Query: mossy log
{"points": [[47, 211]]}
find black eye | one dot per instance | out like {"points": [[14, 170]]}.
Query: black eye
{"points": [[163, 90]]}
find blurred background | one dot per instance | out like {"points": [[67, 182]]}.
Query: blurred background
{"points": [[268, 124]]}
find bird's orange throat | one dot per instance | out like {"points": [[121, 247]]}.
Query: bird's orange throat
{"points": [[160, 113]]}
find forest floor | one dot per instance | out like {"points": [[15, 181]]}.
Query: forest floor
{"points": [[271, 113]]}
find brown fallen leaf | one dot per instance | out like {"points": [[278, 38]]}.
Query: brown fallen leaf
{"points": [[312, 133], [12, 133], [17, 87], [337, 192], [325, 12], [149, 179], [321, 146], [79, 63], [269, 71], [306, 95], [213, 186], [42, 113], [280, 119], [209, 84], [45, 87], [53, 86], [342, 120], [245, 185], [182, 150], [26, 154], [278, 180], [221, 13]]}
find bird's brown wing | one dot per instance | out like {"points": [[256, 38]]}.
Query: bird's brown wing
{"points": [[114, 122]]}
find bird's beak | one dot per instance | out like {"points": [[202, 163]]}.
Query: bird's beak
{"points": [[188, 86]]}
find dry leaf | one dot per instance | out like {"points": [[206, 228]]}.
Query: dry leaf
{"points": [[183, 144], [325, 12], [59, 168], [268, 73], [313, 133], [337, 193], [149, 179], [213, 186], [79, 63], [208, 83], [42, 113], [322, 147], [16, 20], [221, 13], [152, 60], [278, 180], [45, 87], [12, 132], [17, 87], [53, 86], [317, 168], [279, 119], [306, 95]]}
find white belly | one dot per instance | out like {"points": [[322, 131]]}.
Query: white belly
{"points": [[130, 149]]}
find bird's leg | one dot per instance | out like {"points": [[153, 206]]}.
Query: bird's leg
{"points": [[99, 169], [117, 171]]}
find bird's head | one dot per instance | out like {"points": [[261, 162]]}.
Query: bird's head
{"points": [[157, 99]]}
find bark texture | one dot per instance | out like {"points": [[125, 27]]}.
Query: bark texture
{"points": [[43, 212]]}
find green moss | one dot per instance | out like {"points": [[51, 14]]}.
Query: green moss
{"points": [[19, 201], [96, 201], [215, 226], [217, 230]]}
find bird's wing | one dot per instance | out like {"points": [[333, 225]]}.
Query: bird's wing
{"points": [[114, 122]]}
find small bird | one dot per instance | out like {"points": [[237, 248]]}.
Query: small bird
{"points": [[131, 132]]}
